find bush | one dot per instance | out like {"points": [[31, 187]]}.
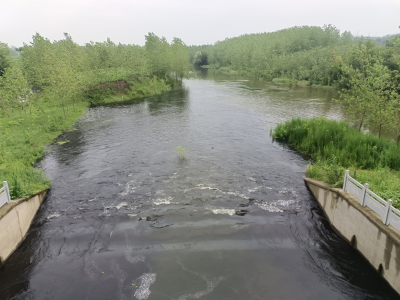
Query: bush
{"points": [[325, 139]]}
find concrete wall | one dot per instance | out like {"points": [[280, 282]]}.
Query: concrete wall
{"points": [[362, 228], [15, 220]]}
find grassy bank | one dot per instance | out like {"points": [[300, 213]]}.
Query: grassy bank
{"points": [[335, 146], [24, 133]]}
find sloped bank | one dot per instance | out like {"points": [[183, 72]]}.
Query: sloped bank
{"points": [[362, 228], [15, 220]]}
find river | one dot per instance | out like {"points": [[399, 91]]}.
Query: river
{"points": [[126, 218]]}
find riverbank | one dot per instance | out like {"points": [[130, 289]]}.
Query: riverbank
{"points": [[25, 133], [335, 146], [278, 80], [15, 221], [362, 228]]}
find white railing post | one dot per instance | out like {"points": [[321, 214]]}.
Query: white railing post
{"points": [[7, 191], [364, 194], [385, 216], [346, 175]]}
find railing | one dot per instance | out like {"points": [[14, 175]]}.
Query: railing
{"points": [[389, 214], [4, 194]]}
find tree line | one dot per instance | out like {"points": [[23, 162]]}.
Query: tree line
{"points": [[309, 53], [67, 70]]}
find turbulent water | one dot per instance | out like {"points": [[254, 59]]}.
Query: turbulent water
{"points": [[127, 219]]}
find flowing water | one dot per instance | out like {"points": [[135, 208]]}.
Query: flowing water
{"points": [[127, 219]]}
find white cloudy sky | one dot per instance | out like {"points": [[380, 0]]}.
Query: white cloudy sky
{"points": [[195, 22]]}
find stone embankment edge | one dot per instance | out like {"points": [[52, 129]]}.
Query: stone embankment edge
{"points": [[362, 228], [15, 221]]}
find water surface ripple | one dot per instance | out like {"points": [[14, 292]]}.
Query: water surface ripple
{"points": [[127, 219]]}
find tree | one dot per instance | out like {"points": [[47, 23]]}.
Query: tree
{"points": [[179, 59], [5, 58], [380, 83], [14, 89], [200, 59], [357, 94], [158, 55]]}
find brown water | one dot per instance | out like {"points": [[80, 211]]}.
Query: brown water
{"points": [[127, 219]]}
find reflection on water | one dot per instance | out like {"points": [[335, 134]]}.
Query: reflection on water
{"points": [[127, 219]]}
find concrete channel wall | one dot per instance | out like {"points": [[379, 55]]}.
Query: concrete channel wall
{"points": [[15, 220], [362, 228]]}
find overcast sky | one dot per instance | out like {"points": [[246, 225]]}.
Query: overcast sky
{"points": [[195, 22]]}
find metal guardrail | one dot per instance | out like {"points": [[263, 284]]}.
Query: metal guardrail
{"points": [[4, 194], [389, 214]]}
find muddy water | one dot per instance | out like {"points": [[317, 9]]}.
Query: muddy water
{"points": [[127, 219]]}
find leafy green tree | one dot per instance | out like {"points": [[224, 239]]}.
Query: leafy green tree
{"points": [[200, 59], [381, 87], [357, 94], [5, 58], [158, 55], [14, 89], [180, 63]]}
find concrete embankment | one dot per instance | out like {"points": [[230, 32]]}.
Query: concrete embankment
{"points": [[362, 228], [15, 220]]}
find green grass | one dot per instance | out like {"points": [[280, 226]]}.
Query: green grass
{"points": [[335, 146], [24, 134], [382, 181]]}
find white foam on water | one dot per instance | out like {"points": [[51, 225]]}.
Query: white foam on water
{"points": [[54, 215], [268, 207], [121, 205], [221, 211], [277, 206], [118, 206], [129, 188], [133, 259], [143, 292], [202, 186], [285, 203], [237, 194], [160, 201], [211, 285], [132, 215]]}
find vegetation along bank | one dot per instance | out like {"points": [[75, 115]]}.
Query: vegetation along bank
{"points": [[335, 146], [308, 55], [370, 94], [49, 85]]}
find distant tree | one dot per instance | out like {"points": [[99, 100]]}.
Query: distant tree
{"points": [[5, 58], [158, 55], [179, 58], [357, 94], [200, 59], [381, 84], [14, 89]]}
